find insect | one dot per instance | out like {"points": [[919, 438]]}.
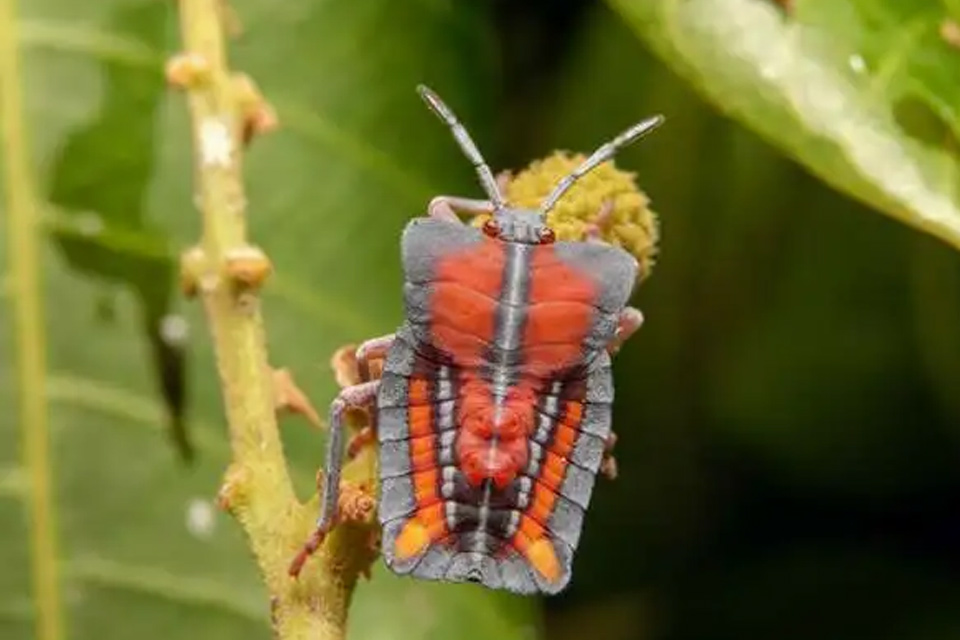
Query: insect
{"points": [[493, 412]]}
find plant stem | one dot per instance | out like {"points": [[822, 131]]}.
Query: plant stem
{"points": [[227, 272], [24, 238]]}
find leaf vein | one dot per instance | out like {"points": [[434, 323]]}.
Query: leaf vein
{"points": [[162, 583]]}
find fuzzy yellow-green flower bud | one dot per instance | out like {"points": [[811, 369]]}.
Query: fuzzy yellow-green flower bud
{"points": [[606, 200]]}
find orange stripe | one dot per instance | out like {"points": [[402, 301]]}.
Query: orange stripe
{"points": [[420, 412], [574, 413], [420, 531], [543, 502], [423, 461], [553, 469], [433, 517], [563, 439], [537, 549], [530, 529], [419, 391], [521, 541], [428, 523], [422, 445], [531, 538], [568, 428], [425, 487]]}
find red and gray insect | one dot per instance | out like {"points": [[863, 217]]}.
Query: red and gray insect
{"points": [[493, 412]]}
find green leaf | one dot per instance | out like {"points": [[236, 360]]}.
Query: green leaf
{"points": [[862, 93], [142, 551], [120, 135]]}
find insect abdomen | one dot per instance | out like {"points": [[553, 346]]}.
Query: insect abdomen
{"points": [[488, 426]]}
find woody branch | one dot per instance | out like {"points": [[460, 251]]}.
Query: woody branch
{"points": [[226, 273]]}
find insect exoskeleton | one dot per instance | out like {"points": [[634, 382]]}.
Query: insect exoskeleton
{"points": [[493, 411]]}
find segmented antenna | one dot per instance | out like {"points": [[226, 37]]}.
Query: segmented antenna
{"points": [[601, 155], [466, 144]]}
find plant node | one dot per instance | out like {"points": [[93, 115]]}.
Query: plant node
{"points": [[247, 267], [259, 116], [193, 262], [187, 70]]}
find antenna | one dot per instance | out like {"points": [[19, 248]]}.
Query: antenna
{"points": [[466, 144], [601, 155]]}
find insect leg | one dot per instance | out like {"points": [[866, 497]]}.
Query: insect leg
{"points": [[356, 397], [600, 220], [370, 350], [630, 320], [447, 207], [608, 467]]}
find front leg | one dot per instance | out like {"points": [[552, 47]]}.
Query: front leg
{"points": [[372, 349], [601, 220], [361, 396], [608, 466], [448, 207], [630, 320]]}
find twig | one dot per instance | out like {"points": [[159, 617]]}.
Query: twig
{"points": [[24, 237], [227, 273]]}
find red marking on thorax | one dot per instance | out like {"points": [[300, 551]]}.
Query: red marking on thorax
{"points": [[560, 314], [463, 305], [463, 310]]}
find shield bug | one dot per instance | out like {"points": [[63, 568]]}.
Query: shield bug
{"points": [[493, 412]]}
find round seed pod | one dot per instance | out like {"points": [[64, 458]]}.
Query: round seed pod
{"points": [[606, 200]]}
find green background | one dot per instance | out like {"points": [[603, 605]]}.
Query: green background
{"points": [[788, 416]]}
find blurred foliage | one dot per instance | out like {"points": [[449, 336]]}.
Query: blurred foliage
{"points": [[864, 93], [143, 551], [787, 416]]}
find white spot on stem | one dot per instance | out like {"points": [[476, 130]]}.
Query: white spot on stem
{"points": [[216, 145]]}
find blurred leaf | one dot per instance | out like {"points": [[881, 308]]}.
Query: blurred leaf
{"points": [[116, 148], [644, 522], [836, 86], [774, 357], [143, 552], [832, 590]]}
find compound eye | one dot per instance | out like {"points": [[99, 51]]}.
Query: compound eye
{"points": [[547, 236], [491, 228]]}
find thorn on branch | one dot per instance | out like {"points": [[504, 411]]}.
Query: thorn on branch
{"points": [[231, 21], [248, 267], [192, 264], [187, 70], [344, 365], [289, 397], [259, 116], [233, 493]]}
